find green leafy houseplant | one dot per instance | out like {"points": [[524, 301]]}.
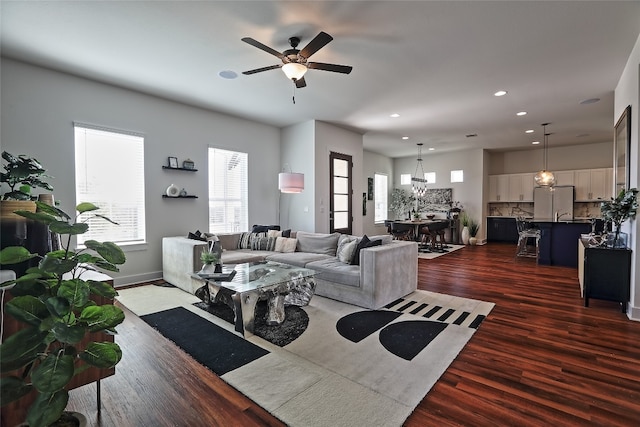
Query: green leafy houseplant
{"points": [[53, 300], [474, 227], [620, 209], [21, 174], [209, 257]]}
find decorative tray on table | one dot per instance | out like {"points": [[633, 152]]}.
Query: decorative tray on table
{"points": [[219, 277]]}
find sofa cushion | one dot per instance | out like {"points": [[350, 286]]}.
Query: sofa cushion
{"points": [[240, 256], [333, 270], [284, 244], [317, 243], [299, 259]]}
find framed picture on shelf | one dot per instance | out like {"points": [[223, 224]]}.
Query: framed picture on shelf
{"points": [[173, 162]]}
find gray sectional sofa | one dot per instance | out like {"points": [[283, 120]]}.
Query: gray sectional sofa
{"points": [[381, 275]]}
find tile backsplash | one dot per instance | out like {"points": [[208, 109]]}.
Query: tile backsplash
{"points": [[525, 209]]}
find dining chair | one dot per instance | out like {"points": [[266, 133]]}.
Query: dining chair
{"points": [[526, 232]]}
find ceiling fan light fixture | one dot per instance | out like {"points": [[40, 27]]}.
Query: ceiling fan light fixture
{"points": [[294, 71]]}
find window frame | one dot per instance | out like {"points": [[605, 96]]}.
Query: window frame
{"points": [[380, 192]]}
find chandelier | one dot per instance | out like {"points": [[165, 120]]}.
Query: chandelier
{"points": [[545, 178], [418, 182]]}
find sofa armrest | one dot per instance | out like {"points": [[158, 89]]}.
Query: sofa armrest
{"points": [[389, 271], [180, 258]]}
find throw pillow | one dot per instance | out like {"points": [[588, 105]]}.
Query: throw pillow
{"points": [[263, 243], [246, 239], [286, 233], [345, 252], [196, 236], [364, 243], [264, 228], [274, 233], [285, 244], [317, 243]]}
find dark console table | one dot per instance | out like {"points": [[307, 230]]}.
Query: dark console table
{"points": [[607, 275]]}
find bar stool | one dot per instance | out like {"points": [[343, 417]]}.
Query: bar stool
{"points": [[527, 231]]}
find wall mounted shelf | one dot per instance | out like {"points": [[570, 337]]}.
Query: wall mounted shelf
{"points": [[180, 169], [189, 196]]}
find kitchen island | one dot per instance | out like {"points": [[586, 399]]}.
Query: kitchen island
{"points": [[559, 239]]}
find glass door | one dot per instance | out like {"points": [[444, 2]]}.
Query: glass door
{"points": [[341, 189]]}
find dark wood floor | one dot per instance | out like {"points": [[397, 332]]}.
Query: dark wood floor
{"points": [[540, 358]]}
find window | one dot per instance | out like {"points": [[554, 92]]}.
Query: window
{"points": [[228, 191], [381, 192], [110, 174], [430, 177], [405, 179], [457, 176]]}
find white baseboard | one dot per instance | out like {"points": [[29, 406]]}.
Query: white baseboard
{"points": [[137, 278]]}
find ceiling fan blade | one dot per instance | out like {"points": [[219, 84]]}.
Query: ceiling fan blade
{"points": [[301, 83], [259, 70], [261, 46], [316, 44], [344, 69]]}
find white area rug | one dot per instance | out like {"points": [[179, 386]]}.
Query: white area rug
{"points": [[324, 379], [432, 255]]}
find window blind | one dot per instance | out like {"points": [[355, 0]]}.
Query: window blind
{"points": [[228, 191], [110, 174]]}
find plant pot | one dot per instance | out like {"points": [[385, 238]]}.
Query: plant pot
{"points": [[15, 229], [473, 241], [68, 419], [464, 235], [620, 242]]}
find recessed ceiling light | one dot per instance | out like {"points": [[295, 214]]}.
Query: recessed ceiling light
{"points": [[431, 148], [228, 74], [536, 142], [500, 93], [394, 115], [521, 113], [528, 131], [590, 101], [405, 137]]}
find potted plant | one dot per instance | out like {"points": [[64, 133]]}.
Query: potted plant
{"points": [[474, 227], [210, 258], [22, 174], [53, 300], [617, 211]]}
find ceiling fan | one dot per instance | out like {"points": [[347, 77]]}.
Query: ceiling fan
{"points": [[294, 61]]}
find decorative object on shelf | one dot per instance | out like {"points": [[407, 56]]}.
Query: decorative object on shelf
{"points": [[54, 300], [183, 193], [290, 182], [617, 211], [545, 178], [173, 162], [173, 191], [418, 182], [188, 164]]}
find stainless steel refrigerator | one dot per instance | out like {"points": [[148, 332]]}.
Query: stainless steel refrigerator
{"points": [[552, 204]]}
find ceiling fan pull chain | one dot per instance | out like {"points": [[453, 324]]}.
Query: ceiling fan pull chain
{"points": [[294, 93]]}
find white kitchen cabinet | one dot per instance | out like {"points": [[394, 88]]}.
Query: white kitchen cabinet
{"points": [[564, 177], [521, 187], [498, 188], [593, 184]]}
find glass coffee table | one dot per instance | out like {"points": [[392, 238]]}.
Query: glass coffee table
{"points": [[280, 284]]}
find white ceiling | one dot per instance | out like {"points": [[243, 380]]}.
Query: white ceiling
{"points": [[437, 64]]}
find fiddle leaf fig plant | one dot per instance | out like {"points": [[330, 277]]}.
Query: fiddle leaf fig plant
{"points": [[54, 302], [21, 174]]}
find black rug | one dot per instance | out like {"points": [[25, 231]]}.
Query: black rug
{"points": [[295, 322], [214, 347]]}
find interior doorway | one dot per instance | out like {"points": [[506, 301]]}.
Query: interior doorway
{"points": [[341, 190]]}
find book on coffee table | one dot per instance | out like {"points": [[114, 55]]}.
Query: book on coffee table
{"points": [[219, 277]]}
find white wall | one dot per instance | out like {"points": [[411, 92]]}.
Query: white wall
{"points": [[374, 163], [586, 156], [298, 152], [628, 93], [330, 138], [469, 192], [39, 106]]}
